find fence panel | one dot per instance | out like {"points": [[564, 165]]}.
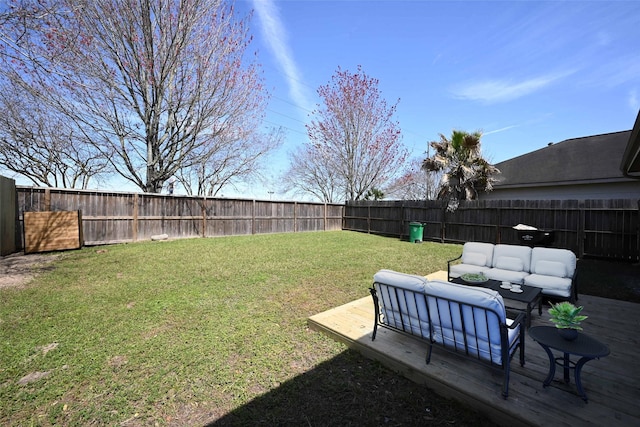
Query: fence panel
{"points": [[114, 217], [598, 228]]}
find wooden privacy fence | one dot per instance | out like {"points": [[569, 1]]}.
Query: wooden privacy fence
{"points": [[598, 228], [115, 217]]}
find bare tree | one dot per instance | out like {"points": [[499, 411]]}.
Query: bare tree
{"points": [[354, 146], [415, 183], [154, 85], [36, 140], [229, 159], [310, 172], [38, 144]]}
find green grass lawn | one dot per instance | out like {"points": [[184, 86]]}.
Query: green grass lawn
{"points": [[188, 331]]}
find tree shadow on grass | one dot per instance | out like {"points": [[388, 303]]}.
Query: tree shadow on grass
{"points": [[351, 390]]}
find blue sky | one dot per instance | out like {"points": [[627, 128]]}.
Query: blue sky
{"points": [[526, 73]]}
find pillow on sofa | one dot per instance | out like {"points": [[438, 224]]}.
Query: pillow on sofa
{"points": [[551, 268], [474, 258], [510, 263]]}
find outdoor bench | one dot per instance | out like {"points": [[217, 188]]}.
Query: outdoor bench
{"points": [[550, 269], [463, 319]]}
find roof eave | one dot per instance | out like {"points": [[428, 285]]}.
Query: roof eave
{"points": [[630, 165]]}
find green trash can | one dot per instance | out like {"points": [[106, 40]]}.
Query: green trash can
{"points": [[415, 232]]}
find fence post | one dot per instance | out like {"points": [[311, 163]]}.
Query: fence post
{"points": [[134, 225], [324, 223], [204, 216], [47, 199], [580, 237], [253, 217], [498, 223]]}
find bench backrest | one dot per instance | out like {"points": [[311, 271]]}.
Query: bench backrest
{"points": [[467, 319], [403, 302]]}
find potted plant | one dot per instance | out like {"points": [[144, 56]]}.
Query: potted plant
{"points": [[567, 318]]}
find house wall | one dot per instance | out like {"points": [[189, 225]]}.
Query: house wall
{"points": [[618, 190]]}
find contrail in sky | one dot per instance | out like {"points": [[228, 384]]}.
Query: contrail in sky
{"points": [[276, 36]]}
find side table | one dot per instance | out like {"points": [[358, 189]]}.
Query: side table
{"points": [[584, 346]]}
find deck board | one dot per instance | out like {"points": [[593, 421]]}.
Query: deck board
{"points": [[612, 383]]}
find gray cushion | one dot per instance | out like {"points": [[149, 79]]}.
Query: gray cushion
{"points": [[550, 285], [551, 268], [481, 248], [506, 275], [523, 253], [564, 256], [510, 263], [474, 258]]}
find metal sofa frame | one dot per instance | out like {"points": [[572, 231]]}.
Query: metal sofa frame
{"points": [[459, 346]]}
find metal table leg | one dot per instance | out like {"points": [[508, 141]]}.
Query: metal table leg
{"points": [[566, 365], [552, 366], [578, 369]]}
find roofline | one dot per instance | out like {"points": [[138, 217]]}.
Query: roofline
{"points": [[567, 140], [632, 153]]}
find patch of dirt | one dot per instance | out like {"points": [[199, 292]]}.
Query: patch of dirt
{"points": [[32, 377], [17, 270]]}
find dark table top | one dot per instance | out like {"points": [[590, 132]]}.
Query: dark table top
{"points": [[584, 345], [529, 293]]}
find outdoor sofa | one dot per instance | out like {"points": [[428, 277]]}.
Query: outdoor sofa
{"points": [[467, 320], [550, 269]]}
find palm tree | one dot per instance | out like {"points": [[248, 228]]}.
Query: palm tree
{"points": [[465, 171]]}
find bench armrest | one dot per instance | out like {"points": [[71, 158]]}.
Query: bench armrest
{"points": [[449, 266], [519, 320], [455, 259]]}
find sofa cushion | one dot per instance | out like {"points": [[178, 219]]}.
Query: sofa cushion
{"points": [[404, 308], [550, 285], [474, 258], [509, 263], [563, 256], [483, 297], [506, 275], [503, 257], [550, 268], [400, 280], [485, 249]]}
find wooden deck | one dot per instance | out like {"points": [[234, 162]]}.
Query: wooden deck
{"points": [[612, 383]]}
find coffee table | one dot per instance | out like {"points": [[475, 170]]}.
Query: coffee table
{"points": [[586, 347], [530, 295]]}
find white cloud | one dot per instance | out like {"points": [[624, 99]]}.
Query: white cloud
{"points": [[276, 36], [494, 91], [504, 129]]}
